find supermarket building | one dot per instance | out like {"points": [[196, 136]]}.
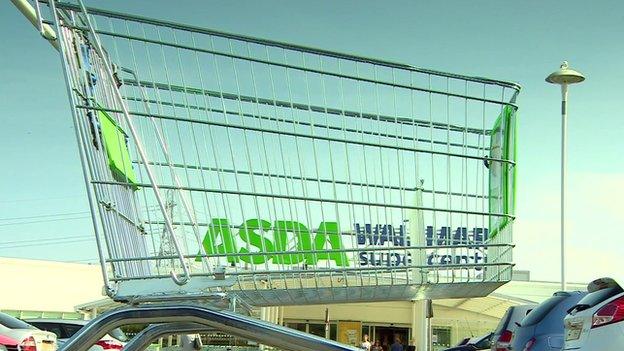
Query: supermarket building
{"points": [[71, 290]]}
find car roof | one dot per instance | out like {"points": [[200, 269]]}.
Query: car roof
{"points": [[605, 281], [479, 338], [522, 308], [568, 293], [59, 321], [517, 313], [530, 305]]}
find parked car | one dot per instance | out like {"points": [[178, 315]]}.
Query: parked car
{"points": [[501, 339], [25, 336], [542, 329], [65, 329], [597, 321], [483, 342], [7, 344], [463, 342]]}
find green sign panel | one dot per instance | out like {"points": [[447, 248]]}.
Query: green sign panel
{"points": [[255, 233]]}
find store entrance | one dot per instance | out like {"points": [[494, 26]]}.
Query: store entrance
{"points": [[386, 336]]}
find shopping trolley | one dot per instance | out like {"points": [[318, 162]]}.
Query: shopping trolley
{"points": [[221, 164], [284, 174]]}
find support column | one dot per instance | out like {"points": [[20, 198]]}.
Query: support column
{"points": [[419, 330], [428, 309], [414, 326], [281, 315], [268, 314], [327, 325]]}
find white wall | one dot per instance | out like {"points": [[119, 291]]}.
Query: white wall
{"points": [[32, 285], [535, 290], [399, 312]]}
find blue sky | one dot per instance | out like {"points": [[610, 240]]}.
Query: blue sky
{"points": [[516, 41]]}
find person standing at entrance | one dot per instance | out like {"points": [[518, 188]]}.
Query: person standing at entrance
{"points": [[377, 346], [397, 346], [366, 345]]}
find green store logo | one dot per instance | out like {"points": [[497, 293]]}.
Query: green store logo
{"points": [[325, 245]]}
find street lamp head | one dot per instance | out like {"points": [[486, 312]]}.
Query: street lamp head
{"points": [[565, 75]]}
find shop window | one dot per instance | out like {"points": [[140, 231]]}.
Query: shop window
{"points": [[297, 326], [441, 338], [333, 331], [317, 329], [366, 329]]}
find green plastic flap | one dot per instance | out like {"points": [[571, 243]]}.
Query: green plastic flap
{"points": [[119, 160], [502, 187]]}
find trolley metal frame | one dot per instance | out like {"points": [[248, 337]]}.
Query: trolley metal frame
{"points": [[196, 145]]}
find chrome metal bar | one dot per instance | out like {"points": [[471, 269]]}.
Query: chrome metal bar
{"points": [[316, 71], [284, 176], [82, 154], [307, 124], [244, 327], [295, 134], [142, 340], [411, 248], [283, 45], [333, 271], [306, 107], [140, 149], [34, 16], [39, 18], [329, 200], [186, 204], [564, 161]]}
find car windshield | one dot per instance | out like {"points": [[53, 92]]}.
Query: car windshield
{"points": [[592, 299], [13, 323], [503, 322], [484, 343], [71, 329], [119, 335], [463, 342], [52, 328], [541, 311]]}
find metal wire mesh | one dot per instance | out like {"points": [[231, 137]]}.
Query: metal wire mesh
{"points": [[301, 175]]}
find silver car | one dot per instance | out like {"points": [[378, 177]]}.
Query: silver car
{"points": [[66, 328], [596, 323], [501, 340], [542, 329], [25, 336]]}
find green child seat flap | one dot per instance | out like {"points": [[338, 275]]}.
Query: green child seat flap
{"points": [[119, 160]]}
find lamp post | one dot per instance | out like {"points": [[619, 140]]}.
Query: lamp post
{"points": [[564, 77]]}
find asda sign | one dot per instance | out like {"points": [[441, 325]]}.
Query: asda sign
{"points": [[386, 236], [258, 241], [271, 240]]}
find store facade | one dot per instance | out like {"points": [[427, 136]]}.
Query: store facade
{"points": [[385, 321], [70, 290]]}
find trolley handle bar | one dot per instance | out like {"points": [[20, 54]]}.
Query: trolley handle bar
{"points": [[33, 15], [140, 149], [155, 331], [284, 45], [238, 325]]}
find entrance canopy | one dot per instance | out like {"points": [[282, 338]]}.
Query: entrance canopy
{"points": [[493, 305]]}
